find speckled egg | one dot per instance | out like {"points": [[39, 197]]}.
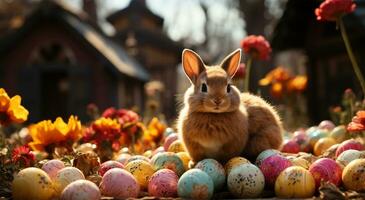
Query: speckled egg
{"points": [[316, 135], [120, 184], [32, 183], [349, 144], [51, 167], [195, 184], [176, 146], [322, 145], [246, 181], [163, 183], [123, 158], [66, 176], [326, 124], [233, 162], [185, 158], [349, 155], [141, 170], [290, 146], [301, 162], [138, 157], [339, 133], [169, 140], [295, 182], [168, 160], [215, 170], [272, 166], [265, 154], [353, 175], [107, 165], [326, 169], [81, 190]]}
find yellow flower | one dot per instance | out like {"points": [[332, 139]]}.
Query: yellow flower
{"points": [[298, 84], [279, 74], [45, 132], [106, 123], [11, 109]]}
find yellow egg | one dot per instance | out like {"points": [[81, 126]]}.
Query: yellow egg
{"points": [[234, 162], [32, 183], [141, 170], [148, 154], [353, 175], [295, 182], [66, 176], [176, 146], [185, 158], [301, 162], [322, 145], [339, 133]]}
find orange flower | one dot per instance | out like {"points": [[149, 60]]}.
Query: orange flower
{"points": [[45, 132], [358, 122], [298, 84], [11, 109], [279, 74]]}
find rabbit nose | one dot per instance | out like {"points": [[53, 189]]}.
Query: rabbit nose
{"points": [[217, 101]]}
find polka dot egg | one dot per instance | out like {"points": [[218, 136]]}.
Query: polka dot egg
{"points": [[120, 184], [234, 162], [163, 183], [81, 190], [66, 176], [195, 184], [215, 170], [168, 160], [141, 170]]}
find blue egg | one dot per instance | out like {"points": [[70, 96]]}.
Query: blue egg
{"points": [[195, 184], [168, 160], [215, 170]]}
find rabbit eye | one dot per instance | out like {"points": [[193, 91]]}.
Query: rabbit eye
{"points": [[228, 88], [204, 87]]}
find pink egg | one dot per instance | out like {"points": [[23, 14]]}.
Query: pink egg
{"points": [[302, 139], [349, 144], [290, 146], [326, 169], [160, 149], [120, 184], [123, 158], [163, 183], [51, 167], [81, 190], [272, 166], [326, 124], [169, 139], [105, 166]]}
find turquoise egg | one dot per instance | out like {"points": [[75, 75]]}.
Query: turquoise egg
{"points": [[195, 184], [215, 170], [316, 135], [168, 160], [265, 154]]}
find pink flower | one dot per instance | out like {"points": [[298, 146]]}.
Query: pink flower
{"points": [[23, 156], [331, 10], [257, 46]]}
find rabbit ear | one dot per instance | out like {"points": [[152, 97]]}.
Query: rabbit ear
{"points": [[231, 63], [192, 64]]}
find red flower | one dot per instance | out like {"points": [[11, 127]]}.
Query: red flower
{"points": [[331, 10], [23, 156], [358, 122], [257, 46], [110, 113]]}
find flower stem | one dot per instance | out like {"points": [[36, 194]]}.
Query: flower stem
{"points": [[247, 78], [351, 55]]}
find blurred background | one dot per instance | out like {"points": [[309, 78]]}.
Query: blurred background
{"points": [[61, 56]]}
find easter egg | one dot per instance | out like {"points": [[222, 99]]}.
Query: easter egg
{"points": [[349, 144], [301, 138], [326, 169], [233, 162], [353, 176], [51, 167], [138, 157], [66, 176], [295, 182], [32, 183], [148, 153], [185, 158], [123, 158], [158, 150], [349, 155], [81, 190], [168, 131], [169, 140], [326, 124], [290, 146], [301, 162], [176, 146], [141, 170], [163, 183], [272, 166], [107, 165], [168, 160], [311, 130], [316, 135], [120, 184], [246, 181], [215, 170], [339, 133], [322, 145], [195, 184], [265, 154]]}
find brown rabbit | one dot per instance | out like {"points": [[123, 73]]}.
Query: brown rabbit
{"points": [[217, 121]]}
